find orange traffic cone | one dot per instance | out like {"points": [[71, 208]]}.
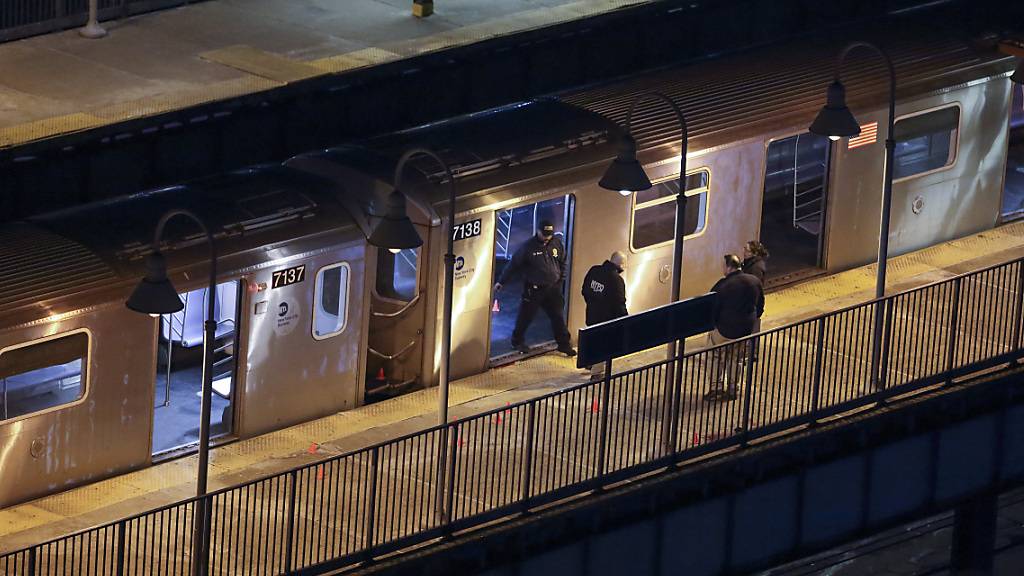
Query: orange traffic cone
{"points": [[595, 407], [696, 439], [496, 307], [380, 375], [319, 472], [312, 448]]}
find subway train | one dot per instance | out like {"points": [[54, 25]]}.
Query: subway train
{"points": [[312, 320]]}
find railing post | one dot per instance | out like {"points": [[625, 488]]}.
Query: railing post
{"points": [[33, 561], [442, 458], [371, 506], [122, 536], [886, 354], [1018, 308], [819, 357], [450, 496], [677, 392], [954, 321], [527, 481], [876, 345], [289, 543], [747, 386], [602, 439]]}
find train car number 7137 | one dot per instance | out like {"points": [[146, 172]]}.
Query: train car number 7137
{"points": [[288, 276], [466, 230]]}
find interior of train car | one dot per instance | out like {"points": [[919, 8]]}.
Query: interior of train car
{"points": [[793, 205], [43, 374], [514, 226], [179, 370]]}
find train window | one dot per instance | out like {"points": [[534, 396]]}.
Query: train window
{"points": [[396, 273], [36, 377], [330, 295], [654, 216], [925, 142]]}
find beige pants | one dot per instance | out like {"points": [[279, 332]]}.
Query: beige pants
{"points": [[726, 363]]}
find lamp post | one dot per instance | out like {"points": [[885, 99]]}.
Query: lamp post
{"points": [[626, 175], [92, 28], [449, 274], [836, 121], [155, 295]]}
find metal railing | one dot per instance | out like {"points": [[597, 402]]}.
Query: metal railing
{"points": [[22, 18], [409, 490]]}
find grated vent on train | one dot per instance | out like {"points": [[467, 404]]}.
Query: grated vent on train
{"points": [[36, 265]]}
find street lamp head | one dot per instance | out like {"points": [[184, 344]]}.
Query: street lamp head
{"points": [[625, 175], [155, 295], [1018, 74], [395, 231], [835, 119]]}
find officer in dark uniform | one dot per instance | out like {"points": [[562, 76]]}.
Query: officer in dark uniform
{"points": [[541, 262], [605, 294]]}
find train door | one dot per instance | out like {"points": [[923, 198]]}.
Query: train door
{"points": [[397, 315], [513, 227], [1013, 185], [179, 373], [793, 205]]}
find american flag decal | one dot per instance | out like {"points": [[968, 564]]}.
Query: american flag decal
{"points": [[868, 135]]}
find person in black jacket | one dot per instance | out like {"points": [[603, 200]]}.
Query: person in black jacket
{"points": [[754, 255], [541, 262], [740, 305], [605, 294]]}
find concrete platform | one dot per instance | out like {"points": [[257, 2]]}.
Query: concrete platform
{"points": [[237, 462], [61, 83]]}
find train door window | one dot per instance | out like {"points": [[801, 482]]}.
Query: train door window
{"points": [[330, 296], [43, 375], [925, 142], [514, 227], [397, 273], [179, 375], [1013, 185], [793, 204], [654, 215]]}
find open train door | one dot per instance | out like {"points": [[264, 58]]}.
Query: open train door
{"points": [[793, 206], [394, 356]]}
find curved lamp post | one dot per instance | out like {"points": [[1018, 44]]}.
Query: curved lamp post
{"points": [[626, 175], [155, 295], [836, 121], [410, 239]]}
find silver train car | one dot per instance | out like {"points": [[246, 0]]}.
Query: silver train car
{"points": [[313, 320]]}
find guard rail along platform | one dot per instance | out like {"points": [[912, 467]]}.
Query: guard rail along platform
{"points": [[406, 491]]}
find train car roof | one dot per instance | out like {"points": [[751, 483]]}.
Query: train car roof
{"points": [[483, 150], [73, 253], [729, 99]]}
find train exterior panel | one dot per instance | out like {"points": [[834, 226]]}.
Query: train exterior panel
{"points": [[302, 365], [107, 430], [960, 197]]}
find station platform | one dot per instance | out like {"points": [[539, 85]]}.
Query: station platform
{"points": [[155, 63], [237, 462]]}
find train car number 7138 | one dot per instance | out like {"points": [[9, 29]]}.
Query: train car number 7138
{"points": [[466, 230], [288, 276]]}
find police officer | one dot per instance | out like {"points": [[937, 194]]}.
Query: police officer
{"points": [[605, 294], [541, 262]]}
